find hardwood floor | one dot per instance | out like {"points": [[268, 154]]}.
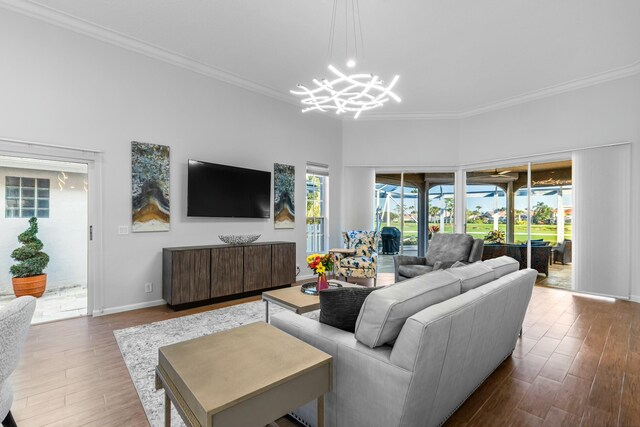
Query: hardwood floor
{"points": [[577, 363]]}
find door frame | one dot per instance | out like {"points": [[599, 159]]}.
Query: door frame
{"points": [[93, 160]]}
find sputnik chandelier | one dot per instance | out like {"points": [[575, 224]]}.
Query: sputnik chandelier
{"points": [[345, 93]]}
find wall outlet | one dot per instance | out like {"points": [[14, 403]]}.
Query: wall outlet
{"points": [[123, 229], [148, 287]]}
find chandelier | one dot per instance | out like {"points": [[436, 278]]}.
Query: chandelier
{"points": [[347, 93]]}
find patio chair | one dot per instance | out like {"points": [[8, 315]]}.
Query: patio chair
{"points": [[15, 319], [562, 252], [444, 251], [364, 262]]}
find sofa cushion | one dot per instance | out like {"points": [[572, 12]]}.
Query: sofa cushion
{"points": [[473, 275], [414, 270], [502, 265], [449, 248], [384, 312], [339, 307]]}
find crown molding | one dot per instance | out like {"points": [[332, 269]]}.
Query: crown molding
{"points": [[72, 23]]}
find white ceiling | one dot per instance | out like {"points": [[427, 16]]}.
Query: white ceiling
{"points": [[452, 56]]}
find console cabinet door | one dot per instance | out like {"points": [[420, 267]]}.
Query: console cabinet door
{"points": [[257, 267], [284, 264], [227, 277], [191, 276]]}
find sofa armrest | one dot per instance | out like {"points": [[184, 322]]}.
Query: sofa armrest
{"points": [[476, 250], [399, 260], [362, 377]]}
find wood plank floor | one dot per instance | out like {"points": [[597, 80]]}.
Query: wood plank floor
{"points": [[578, 363]]}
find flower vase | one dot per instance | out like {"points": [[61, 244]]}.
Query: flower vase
{"points": [[322, 282]]}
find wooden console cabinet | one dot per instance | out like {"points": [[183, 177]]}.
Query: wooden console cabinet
{"points": [[202, 274]]}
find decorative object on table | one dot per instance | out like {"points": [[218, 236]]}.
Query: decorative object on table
{"points": [[433, 229], [363, 263], [347, 93], [238, 239], [495, 236], [284, 180], [311, 288], [321, 264], [150, 182], [28, 277]]}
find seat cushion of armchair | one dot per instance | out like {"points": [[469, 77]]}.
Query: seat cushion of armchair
{"points": [[414, 270], [449, 247], [357, 262]]}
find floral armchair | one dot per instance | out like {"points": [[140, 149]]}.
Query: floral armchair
{"points": [[365, 260]]}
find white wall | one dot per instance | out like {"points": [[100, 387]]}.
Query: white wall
{"points": [[419, 143], [359, 197], [64, 233], [64, 88], [603, 114]]}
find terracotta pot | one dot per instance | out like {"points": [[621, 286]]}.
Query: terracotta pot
{"points": [[34, 285]]}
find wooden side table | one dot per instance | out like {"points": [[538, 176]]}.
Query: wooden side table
{"points": [[242, 377]]}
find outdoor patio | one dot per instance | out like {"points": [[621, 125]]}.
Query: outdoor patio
{"points": [[57, 304]]}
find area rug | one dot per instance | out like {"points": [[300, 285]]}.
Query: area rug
{"points": [[139, 347]]}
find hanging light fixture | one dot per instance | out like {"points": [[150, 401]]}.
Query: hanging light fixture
{"points": [[346, 93]]}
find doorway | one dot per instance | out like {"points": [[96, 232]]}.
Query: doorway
{"points": [[56, 193], [525, 211]]}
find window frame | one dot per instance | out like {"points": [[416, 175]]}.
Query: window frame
{"points": [[38, 186]]}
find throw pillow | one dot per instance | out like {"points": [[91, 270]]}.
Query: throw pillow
{"points": [[340, 307]]}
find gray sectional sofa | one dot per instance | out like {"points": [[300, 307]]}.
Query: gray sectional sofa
{"points": [[420, 347]]}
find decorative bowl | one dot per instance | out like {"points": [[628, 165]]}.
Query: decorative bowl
{"points": [[238, 239]]}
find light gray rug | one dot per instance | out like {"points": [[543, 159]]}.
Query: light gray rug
{"points": [[139, 346]]}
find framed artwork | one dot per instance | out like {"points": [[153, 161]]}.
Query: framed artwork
{"points": [[150, 182], [284, 183]]}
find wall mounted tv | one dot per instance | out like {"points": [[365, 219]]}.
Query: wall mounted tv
{"points": [[227, 191]]}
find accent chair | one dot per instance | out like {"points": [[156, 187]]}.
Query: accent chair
{"points": [[444, 251], [15, 319], [364, 263], [562, 252]]}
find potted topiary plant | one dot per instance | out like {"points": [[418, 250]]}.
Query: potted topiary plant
{"points": [[28, 277]]}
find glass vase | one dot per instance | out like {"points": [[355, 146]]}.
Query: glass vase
{"points": [[322, 282]]}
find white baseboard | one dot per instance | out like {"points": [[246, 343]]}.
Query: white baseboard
{"points": [[120, 309], [635, 298]]}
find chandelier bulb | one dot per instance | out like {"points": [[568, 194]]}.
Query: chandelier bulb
{"points": [[351, 63]]}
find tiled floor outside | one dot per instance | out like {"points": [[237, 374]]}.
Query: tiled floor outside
{"points": [[56, 304]]}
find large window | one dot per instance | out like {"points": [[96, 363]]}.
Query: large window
{"points": [[317, 212], [26, 197]]}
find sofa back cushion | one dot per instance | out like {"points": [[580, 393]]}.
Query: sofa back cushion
{"points": [[449, 248], [502, 265], [473, 275], [384, 312]]}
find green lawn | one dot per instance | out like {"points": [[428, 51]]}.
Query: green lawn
{"points": [[538, 231]]}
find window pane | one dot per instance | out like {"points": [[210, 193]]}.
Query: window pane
{"points": [[12, 213], [28, 203], [43, 192], [13, 192], [28, 213], [43, 203], [28, 192], [43, 213], [13, 203], [43, 183], [12, 180], [28, 182]]}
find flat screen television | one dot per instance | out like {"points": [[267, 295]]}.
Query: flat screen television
{"points": [[227, 191]]}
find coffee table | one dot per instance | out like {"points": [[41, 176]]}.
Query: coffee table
{"points": [[294, 300], [246, 376]]}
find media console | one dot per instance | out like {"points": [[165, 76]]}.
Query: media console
{"points": [[198, 275]]}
